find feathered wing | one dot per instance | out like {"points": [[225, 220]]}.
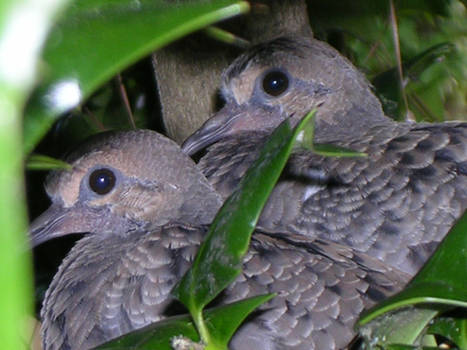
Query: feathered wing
{"points": [[107, 287], [396, 204], [321, 287]]}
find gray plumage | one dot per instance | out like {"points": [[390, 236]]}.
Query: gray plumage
{"points": [[143, 234], [397, 204]]}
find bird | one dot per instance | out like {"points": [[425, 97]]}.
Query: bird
{"points": [[396, 204], [144, 208]]}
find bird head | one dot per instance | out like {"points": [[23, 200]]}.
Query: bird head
{"points": [[285, 79], [120, 182]]}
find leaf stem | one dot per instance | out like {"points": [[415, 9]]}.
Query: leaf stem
{"points": [[202, 329]]}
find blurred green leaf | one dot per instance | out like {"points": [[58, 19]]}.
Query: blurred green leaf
{"points": [[219, 258], [23, 27], [226, 37], [41, 162], [361, 31], [221, 321], [387, 83], [334, 11], [402, 326], [97, 39], [438, 281], [408, 347], [454, 329]]}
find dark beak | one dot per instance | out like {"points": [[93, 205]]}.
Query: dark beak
{"points": [[55, 222], [231, 120], [223, 123]]}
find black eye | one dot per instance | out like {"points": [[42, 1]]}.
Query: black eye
{"points": [[102, 181], [275, 83]]}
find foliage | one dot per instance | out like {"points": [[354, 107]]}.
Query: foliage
{"points": [[363, 31], [220, 257], [17, 74]]}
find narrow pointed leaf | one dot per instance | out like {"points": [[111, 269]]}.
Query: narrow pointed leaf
{"points": [[219, 258], [226, 37], [305, 139], [222, 321], [156, 336], [97, 39], [42, 162], [306, 135], [335, 151]]}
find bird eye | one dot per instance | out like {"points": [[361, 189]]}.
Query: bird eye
{"points": [[275, 83], [102, 181]]}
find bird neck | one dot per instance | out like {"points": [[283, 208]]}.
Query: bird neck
{"points": [[350, 124], [201, 209]]}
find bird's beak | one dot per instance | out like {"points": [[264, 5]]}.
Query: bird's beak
{"points": [[227, 121], [55, 222]]}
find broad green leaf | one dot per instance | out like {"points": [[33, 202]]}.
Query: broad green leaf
{"points": [[97, 39], [222, 321], [438, 282], [42, 162], [398, 327], [23, 27], [454, 329], [219, 258]]}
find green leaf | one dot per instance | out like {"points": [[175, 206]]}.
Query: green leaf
{"points": [[387, 83], [439, 281], [223, 324], [400, 326], [222, 321], [219, 258], [23, 27], [155, 336], [41, 162], [226, 37], [454, 329], [97, 39], [408, 347], [305, 139], [306, 135], [335, 151]]}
